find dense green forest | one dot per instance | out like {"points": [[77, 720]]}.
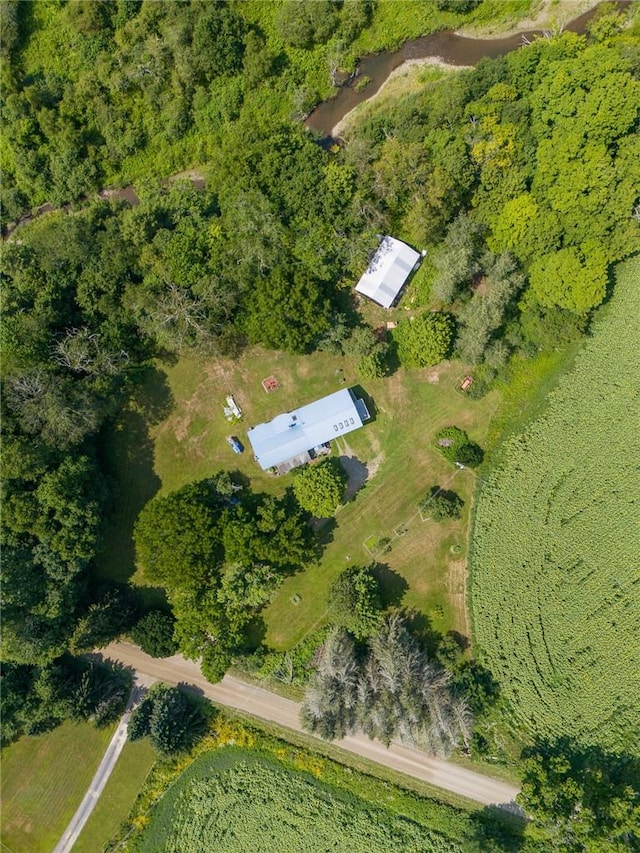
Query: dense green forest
{"points": [[113, 91], [521, 178]]}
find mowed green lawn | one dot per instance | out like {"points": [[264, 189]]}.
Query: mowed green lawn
{"points": [[118, 797], [424, 568], [44, 779]]}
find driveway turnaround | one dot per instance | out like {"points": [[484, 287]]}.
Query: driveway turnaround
{"points": [[234, 693]]}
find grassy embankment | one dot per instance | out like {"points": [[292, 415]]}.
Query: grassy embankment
{"points": [[44, 779], [394, 23]]}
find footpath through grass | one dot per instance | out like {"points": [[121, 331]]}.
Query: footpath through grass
{"points": [[44, 779], [118, 797]]}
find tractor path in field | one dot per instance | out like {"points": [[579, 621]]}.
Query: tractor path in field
{"points": [[233, 693]]}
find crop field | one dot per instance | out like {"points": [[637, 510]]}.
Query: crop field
{"points": [[555, 580], [230, 798], [174, 433]]}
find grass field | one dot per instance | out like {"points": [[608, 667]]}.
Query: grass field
{"points": [[555, 580], [231, 796], [44, 779], [118, 797], [174, 433]]}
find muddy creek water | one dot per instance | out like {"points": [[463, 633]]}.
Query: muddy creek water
{"points": [[444, 46]]}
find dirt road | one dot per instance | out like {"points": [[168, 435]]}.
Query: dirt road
{"points": [[233, 693]]}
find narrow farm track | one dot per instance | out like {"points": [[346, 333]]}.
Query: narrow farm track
{"points": [[234, 693], [99, 780]]}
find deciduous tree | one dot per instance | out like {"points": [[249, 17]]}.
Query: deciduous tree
{"points": [[154, 634], [584, 799], [319, 487], [425, 339], [354, 601], [441, 505]]}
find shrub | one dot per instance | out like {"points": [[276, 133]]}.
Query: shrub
{"points": [[354, 601], [374, 365], [470, 454], [424, 339], [454, 444], [449, 440], [154, 634], [303, 23], [442, 505], [360, 342], [172, 720]]}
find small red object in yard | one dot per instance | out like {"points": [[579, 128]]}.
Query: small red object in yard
{"points": [[467, 382], [270, 384]]}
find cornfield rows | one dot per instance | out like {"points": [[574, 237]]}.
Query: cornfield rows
{"points": [[257, 807], [556, 546]]}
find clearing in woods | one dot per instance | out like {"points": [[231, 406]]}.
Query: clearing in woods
{"points": [[174, 433]]}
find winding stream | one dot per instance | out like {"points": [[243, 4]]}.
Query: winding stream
{"points": [[446, 47]]}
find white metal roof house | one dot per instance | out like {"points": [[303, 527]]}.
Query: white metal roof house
{"points": [[289, 439], [389, 269]]}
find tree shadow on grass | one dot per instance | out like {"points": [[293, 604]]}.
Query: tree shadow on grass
{"points": [[499, 829], [254, 634], [392, 360], [324, 529], [421, 627], [392, 585], [128, 457], [151, 395], [357, 475]]}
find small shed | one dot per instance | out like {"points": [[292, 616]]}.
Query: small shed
{"points": [[388, 271]]}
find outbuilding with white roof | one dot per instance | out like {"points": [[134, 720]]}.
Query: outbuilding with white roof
{"points": [[389, 269]]}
